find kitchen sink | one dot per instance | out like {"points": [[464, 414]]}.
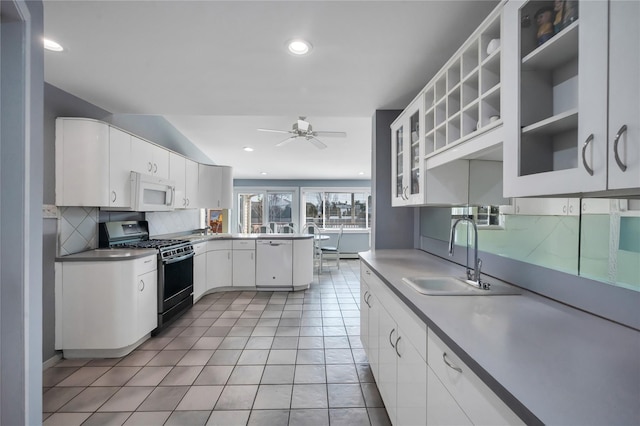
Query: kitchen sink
{"points": [[453, 286]]}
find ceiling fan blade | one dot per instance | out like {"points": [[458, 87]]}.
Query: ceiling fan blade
{"points": [[274, 131], [286, 141], [330, 134], [317, 143]]}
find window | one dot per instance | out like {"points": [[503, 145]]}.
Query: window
{"points": [[263, 207], [330, 209]]}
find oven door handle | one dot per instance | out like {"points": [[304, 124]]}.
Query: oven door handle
{"points": [[178, 259]]}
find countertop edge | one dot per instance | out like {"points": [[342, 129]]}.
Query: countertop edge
{"points": [[107, 255]]}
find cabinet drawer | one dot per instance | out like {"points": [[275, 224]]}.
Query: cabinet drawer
{"points": [[475, 398], [219, 245], [200, 248], [244, 245], [146, 264], [412, 327]]}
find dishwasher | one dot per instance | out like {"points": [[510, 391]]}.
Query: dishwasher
{"points": [[274, 264]]}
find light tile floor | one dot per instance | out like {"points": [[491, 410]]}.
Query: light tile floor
{"points": [[236, 358]]}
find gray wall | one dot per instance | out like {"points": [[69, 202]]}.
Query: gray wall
{"points": [[393, 227], [21, 158]]}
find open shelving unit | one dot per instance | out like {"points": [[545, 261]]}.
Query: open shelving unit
{"points": [[463, 99], [549, 84]]}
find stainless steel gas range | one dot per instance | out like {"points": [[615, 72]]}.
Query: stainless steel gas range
{"points": [[175, 265]]}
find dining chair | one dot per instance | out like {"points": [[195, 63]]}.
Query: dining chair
{"points": [[332, 250], [286, 229], [264, 229]]}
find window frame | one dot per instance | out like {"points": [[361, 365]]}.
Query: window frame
{"points": [[339, 189]]}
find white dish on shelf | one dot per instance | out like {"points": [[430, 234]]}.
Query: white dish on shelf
{"points": [[493, 45]]}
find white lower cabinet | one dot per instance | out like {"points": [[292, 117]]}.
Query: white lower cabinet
{"points": [[400, 369], [387, 358], [476, 400], [219, 264], [244, 263], [442, 408], [412, 383], [147, 300], [105, 307], [420, 380], [199, 269]]}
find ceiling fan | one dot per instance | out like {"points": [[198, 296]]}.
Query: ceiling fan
{"points": [[303, 129]]}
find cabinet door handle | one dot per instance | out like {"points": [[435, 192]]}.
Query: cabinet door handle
{"points": [[584, 154], [368, 298], [622, 166], [187, 202], [114, 196], [397, 340], [390, 342], [450, 365], [149, 166], [141, 285], [364, 297]]}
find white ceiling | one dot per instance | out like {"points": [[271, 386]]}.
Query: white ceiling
{"points": [[218, 70]]}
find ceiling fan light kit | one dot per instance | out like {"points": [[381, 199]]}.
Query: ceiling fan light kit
{"points": [[303, 129]]}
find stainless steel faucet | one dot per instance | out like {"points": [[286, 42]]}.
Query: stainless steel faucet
{"points": [[477, 263]]}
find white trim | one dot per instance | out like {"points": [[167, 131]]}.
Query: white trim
{"points": [[51, 361]]}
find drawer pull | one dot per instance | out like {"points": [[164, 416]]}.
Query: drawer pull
{"points": [[390, 342], [453, 366], [368, 298]]}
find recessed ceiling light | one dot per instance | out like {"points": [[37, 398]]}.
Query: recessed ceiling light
{"points": [[52, 45], [248, 149], [263, 173], [299, 47], [361, 173]]}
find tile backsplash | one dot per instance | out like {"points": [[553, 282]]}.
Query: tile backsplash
{"points": [[77, 229], [78, 226], [162, 223]]}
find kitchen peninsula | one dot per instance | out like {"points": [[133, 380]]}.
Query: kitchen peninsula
{"points": [[116, 310]]}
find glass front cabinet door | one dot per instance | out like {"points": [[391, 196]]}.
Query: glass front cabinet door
{"points": [[407, 157], [561, 83]]}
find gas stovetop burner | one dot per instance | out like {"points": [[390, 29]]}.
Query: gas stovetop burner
{"points": [[157, 244]]}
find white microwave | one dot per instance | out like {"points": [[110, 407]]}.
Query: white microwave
{"points": [[151, 193]]}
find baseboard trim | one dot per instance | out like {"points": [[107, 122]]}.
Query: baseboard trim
{"points": [[51, 361]]}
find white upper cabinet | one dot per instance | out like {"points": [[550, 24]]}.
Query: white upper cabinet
{"points": [[407, 153], [191, 184], [455, 119], [558, 100], [93, 164], [149, 159], [119, 168], [215, 186], [184, 173], [624, 95]]}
